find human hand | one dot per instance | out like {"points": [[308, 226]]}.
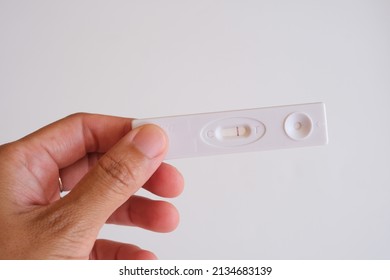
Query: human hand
{"points": [[103, 162]]}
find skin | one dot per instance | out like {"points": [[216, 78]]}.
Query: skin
{"points": [[104, 163]]}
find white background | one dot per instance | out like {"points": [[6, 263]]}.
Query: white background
{"points": [[158, 58]]}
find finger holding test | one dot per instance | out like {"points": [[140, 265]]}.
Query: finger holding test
{"points": [[70, 139], [65, 142], [118, 174], [95, 141], [130, 158]]}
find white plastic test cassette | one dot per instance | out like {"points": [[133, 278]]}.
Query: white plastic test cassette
{"points": [[243, 130]]}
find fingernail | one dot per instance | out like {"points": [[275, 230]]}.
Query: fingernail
{"points": [[150, 140]]}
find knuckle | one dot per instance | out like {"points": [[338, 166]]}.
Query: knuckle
{"points": [[118, 173], [78, 115], [13, 153]]}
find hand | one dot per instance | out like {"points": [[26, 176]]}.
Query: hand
{"points": [[103, 162]]}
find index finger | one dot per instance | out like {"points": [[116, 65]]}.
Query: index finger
{"points": [[71, 138]]}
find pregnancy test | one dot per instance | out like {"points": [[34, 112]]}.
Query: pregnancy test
{"points": [[238, 131]]}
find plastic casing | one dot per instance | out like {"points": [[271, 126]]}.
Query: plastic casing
{"points": [[290, 126]]}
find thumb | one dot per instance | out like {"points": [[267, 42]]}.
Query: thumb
{"points": [[117, 175]]}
